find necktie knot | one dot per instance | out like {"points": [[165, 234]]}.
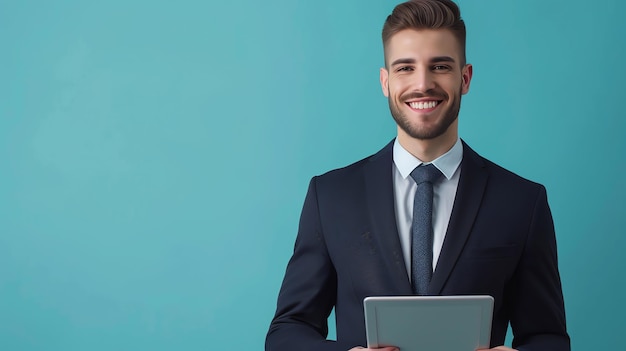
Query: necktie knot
{"points": [[426, 173]]}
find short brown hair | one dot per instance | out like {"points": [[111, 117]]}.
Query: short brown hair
{"points": [[426, 14]]}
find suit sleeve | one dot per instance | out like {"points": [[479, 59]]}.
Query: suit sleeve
{"points": [[309, 288], [538, 312]]}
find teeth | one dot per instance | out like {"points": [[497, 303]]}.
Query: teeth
{"points": [[423, 105]]}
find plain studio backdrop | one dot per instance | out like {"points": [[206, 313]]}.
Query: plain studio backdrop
{"points": [[154, 155]]}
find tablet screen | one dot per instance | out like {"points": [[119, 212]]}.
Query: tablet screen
{"points": [[417, 323]]}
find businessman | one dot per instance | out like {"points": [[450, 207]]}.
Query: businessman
{"points": [[426, 215]]}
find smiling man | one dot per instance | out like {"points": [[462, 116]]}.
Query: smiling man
{"points": [[426, 215]]}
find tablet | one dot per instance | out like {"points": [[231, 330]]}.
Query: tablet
{"points": [[433, 323]]}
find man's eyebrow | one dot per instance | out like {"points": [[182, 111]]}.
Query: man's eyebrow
{"points": [[436, 59], [402, 61]]}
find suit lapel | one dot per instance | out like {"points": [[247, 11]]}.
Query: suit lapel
{"points": [[469, 195], [381, 207]]}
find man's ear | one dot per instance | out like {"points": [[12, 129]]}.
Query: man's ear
{"points": [[384, 81], [466, 73]]}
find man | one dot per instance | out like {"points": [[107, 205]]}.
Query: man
{"points": [[362, 227]]}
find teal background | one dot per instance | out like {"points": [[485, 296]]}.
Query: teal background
{"points": [[154, 155]]}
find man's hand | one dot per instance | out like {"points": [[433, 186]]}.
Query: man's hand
{"points": [[499, 348]]}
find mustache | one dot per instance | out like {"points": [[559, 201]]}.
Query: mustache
{"points": [[435, 94]]}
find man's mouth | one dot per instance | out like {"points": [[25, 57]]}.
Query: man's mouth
{"points": [[423, 105]]}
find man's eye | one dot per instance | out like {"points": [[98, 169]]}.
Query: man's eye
{"points": [[405, 69], [440, 68]]}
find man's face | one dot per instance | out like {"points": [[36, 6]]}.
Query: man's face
{"points": [[424, 81]]}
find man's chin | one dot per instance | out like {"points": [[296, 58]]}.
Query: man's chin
{"points": [[424, 133]]}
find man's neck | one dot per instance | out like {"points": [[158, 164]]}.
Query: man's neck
{"points": [[427, 150]]}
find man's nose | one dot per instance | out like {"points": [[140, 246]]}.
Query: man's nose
{"points": [[423, 80]]}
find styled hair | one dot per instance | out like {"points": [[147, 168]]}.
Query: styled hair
{"points": [[426, 14]]}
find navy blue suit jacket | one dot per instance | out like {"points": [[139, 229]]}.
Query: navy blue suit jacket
{"points": [[500, 242]]}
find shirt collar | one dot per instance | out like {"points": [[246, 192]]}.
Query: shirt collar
{"points": [[446, 163]]}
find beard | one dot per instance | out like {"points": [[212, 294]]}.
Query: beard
{"points": [[417, 131]]}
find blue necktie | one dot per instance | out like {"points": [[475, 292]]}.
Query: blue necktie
{"points": [[422, 228]]}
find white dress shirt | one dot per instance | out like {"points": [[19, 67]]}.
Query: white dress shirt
{"points": [[444, 191]]}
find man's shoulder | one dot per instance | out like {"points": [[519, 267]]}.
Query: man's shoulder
{"points": [[500, 174], [357, 169]]}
